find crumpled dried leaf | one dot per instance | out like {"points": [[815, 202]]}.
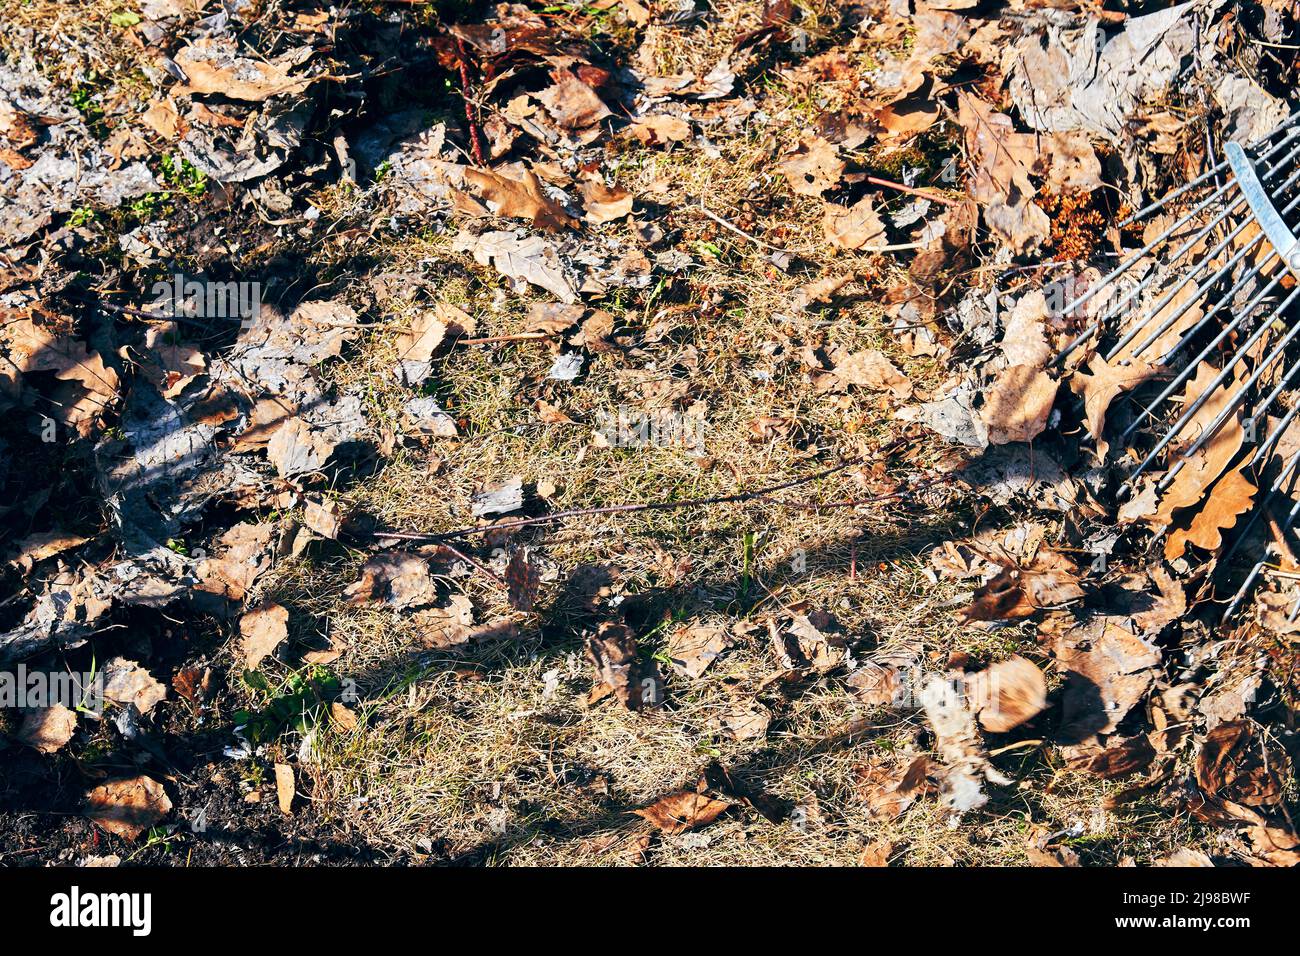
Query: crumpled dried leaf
{"points": [[213, 65], [636, 683], [1105, 681], [126, 683], [658, 129], [602, 203], [47, 729], [1049, 580], [679, 812], [1237, 763], [813, 167], [742, 721], [530, 260], [128, 807], [889, 788], [1019, 404], [572, 103], [522, 198], [870, 369], [692, 649], [1007, 694], [261, 631], [397, 578], [1000, 180], [853, 227]]}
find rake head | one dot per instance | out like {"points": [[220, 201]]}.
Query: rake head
{"points": [[1198, 327]]}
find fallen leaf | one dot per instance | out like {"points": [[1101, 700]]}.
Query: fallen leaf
{"points": [[1007, 694], [397, 578], [1018, 405], [742, 721], [1236, 763], [284, 788], [530, 260], [127, 808], [521, 198], [657, 130], [522, 581], [870, 369], [126, 682], [1227, 501], [812, 168], [47, 729], [691, 650], [604, 204], [572, 103], [612, 651], [45, 544], [262, 630], [854, 227], [213, 65], [679, 812], [1049, 580]]}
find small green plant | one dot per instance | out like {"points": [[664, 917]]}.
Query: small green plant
{"points": [[298, 704], [124, 18], [182, 176], [82, 216]]}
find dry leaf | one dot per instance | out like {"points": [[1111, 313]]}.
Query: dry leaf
{"points": [[284, 788], [813, 167], [742, 721], [1018, 405], [657, 130], [126, 682], [262, 630], [1007, 694], [854, 227], [47, 729], [679, 812], [870, 369], [397, 578], [1049, 580], [1231, 497], [604, 204], [692, 649], [127, 808], [521, 198], [572, 103], [612, 651], [213, 65]]}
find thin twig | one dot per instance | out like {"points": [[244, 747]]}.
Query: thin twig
{"points": [[736, 229], [923, 193], [760, 494]]}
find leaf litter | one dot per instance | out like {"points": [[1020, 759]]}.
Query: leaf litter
{"points": [[223, 453]]}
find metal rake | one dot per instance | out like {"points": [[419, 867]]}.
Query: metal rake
{"points": [[1243, 283]]}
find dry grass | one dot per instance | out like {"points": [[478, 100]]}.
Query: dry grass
{"points": [[494, 754]]}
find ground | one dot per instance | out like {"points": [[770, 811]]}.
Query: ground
{"points": [[488, 741]]}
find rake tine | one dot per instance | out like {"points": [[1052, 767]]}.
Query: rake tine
{"points": [[1208, 258], [1228, 296], [1204, 397], [1204, 177], [1128, 263], [1158, 307], [1241, 392], [1191, 366]]}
